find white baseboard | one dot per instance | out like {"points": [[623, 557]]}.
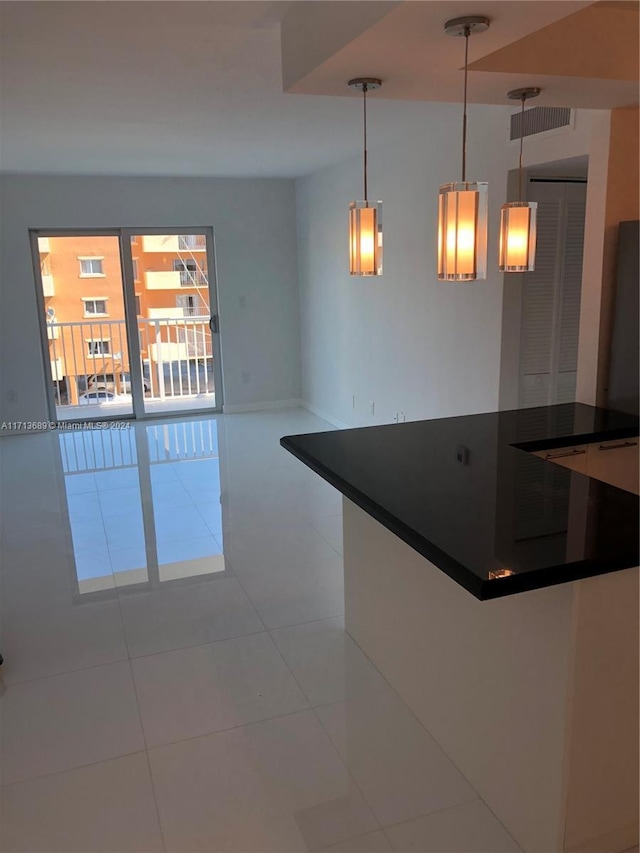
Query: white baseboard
{"points": [[6, 433], [266, 405], [623, 839], [239, 408], [324, 415]]}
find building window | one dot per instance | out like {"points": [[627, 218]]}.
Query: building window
{"points": [[191, 275], [98, 347], [181, 265], [91, 267], [94, 307], [191, 241], [135, 269], [187, 303], [138, 311]]}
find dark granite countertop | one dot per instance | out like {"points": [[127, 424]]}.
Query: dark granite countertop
{"points": [[468, 494]]}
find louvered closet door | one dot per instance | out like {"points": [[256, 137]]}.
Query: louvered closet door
{"points": [[542, 492], [551, 297]]}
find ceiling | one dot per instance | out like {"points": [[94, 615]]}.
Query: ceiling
{"points": [[196, 88], [581, 54]]}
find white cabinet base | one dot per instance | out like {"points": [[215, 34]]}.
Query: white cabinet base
{"points": [[533, 696], [614, 462]]}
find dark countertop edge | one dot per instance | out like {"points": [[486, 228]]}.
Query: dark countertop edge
{"points": [[550, 576], [441, 559], [577, 438], [483, 590]]}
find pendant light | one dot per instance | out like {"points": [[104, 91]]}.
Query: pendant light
{"points": [[365, 217], [518, 218], [462, 209]]}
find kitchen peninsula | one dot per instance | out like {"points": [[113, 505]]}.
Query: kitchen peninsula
{"points": [[497, 591]]}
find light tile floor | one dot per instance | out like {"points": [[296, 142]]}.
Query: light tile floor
{"points": [[177, 672]]}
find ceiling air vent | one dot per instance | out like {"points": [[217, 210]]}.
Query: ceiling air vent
{"points": [[539, 120]]}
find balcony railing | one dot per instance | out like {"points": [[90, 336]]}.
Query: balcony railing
{"points": [[174, 243], [174, 279], [196, 311], [193, 278], [192, 242], [178, 312], [48, 288], [176, 357], [57, 373]]}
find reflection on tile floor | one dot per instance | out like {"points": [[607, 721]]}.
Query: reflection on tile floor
{"points": [[138, 515], [177, 672]]}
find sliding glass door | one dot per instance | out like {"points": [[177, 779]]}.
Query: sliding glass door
{"points": [[129, 322], [176, 326], [84, 325]]}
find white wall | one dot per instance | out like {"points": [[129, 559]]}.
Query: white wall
{"points": [[311, 33], [564, 143], [254, 227], [589, 137], [405, 340], [612, 198], [562, 153]]}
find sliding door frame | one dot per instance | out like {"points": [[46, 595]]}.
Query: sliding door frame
{"points": [[123, 235], [34, 234], [214, 317]]}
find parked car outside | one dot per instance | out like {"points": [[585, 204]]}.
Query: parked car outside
{"points": [[93, 398], [102, 397], [107, 382]]}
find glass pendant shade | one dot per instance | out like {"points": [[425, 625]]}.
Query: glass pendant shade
{"points": [[518, 236], [462, 231], [365, 238]]}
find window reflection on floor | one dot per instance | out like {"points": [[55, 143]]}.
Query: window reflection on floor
{"points": [[185, 488], [144, 503]]}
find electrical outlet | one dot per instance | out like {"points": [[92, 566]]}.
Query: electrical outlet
{"points": [[462, 454], [396, 417], [402, 418], [372, 407]]}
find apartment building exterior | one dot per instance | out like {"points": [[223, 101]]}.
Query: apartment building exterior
{"points": [[84, 308]]}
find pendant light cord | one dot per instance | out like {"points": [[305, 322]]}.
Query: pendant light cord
{"points": [[364, 109], [524, 98], [467, 33]]}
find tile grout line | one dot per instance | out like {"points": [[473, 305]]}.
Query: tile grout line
{"points": [[429, 814], [314, 708], [228, 729], [245, 593], [384, 827], [340, 758], [387, 839], [449, 808], [130, 660], [70, 769], [437, 742], [263, 630], [144, 736], [11, 684], [254, 606], [380, 827]]}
